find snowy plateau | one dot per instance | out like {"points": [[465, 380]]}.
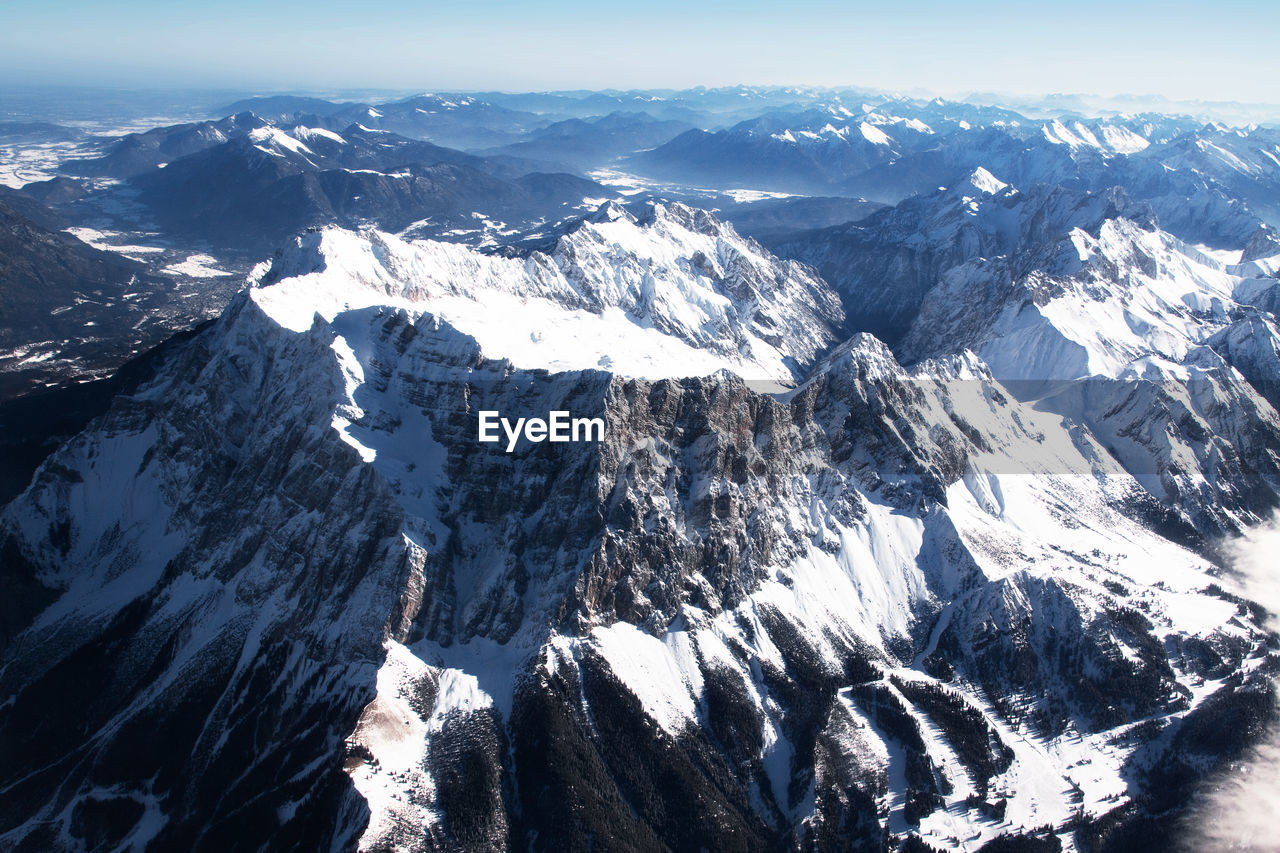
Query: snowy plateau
{"points": [[911, 532]]}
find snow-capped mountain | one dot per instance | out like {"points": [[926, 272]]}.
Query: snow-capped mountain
{"points": [[905, 532], [257, 189], [1081, 302], [136, 153], [805, 153], [236, 187], [1208, 183], [280, 596], [453, 120], [884, 152], [884, 264], [1142, 338], [675, 294]]}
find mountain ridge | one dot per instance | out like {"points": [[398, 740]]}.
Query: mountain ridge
{"points": [[832, 612]]}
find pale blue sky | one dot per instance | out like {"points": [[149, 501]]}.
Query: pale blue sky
{"points": [[1217, 51]]}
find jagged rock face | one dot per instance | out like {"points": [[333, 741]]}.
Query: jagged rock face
{"points": [[1252, 346], [1135, 335], [744, 619], [1035, 629], [1080, 302], [885, 265], [177, 634], [1263, 243]]}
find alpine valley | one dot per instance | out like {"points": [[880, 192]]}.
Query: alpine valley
{"points": [[930, 428]]}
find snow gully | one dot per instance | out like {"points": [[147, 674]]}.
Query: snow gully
{"points": [[559, 426]]}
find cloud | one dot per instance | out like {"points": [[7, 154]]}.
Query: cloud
{"points": [[1239, 811], [1255, 562]]}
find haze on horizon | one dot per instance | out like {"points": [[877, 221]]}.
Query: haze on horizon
{"points": [[1172, 48]]}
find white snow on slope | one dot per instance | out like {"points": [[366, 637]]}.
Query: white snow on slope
{"points": [[1165, 303], [640, 300], [1122, 140], [987, 182], [197, 266], [272, 140], [1115, 139], [101, 240], [303, 132], [392, 730], [395, 783], [874, 134], [662, 674]]}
